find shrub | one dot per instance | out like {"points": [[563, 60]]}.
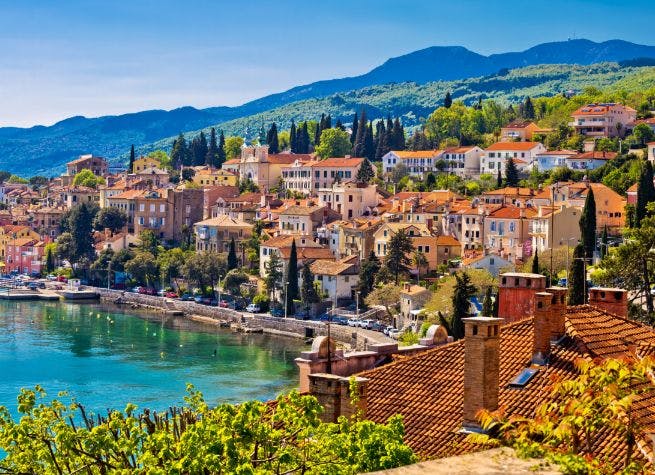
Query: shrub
{"points": [[263, 301]]}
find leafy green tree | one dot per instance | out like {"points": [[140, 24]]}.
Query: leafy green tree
{"points": [[88, 179], [308, 293], [292, 292], [143, 268], [588, 224], [643, 134], [448, 100], [645, 192], [65, 246], [232, 260], [577, 278], [365, 173], [273, 277], [179, 152], [205, 269], [388, 296], [252, 437], [149, 242], [334, 143], [233, 281], [171, 263], [367, 273], [17, 179], [511, 173], [110, 218], [232, 147], [369, 144], [488, 304], [399, 249], [130, 165], [163, 158], [462, 294]]}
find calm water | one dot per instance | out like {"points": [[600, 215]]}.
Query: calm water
{"points": [[105, 357]]}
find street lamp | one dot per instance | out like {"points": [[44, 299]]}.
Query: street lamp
{"points": [[219, 291], [357, 303], [286, 286], [568, 250]]}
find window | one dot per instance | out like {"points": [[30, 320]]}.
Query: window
{"points": [[512, 226], [152, 208], [492, 225], [350, 198], [427, 249], [142, 207], [162, 208]]}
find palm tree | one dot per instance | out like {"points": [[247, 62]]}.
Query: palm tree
{"points": [[419, 260]]}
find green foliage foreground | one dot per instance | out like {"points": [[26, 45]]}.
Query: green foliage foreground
{"points": [[249, 438]]}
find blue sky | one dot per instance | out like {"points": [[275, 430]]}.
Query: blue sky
{"points": [[67, 57]]}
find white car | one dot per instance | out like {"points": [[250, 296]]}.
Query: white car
{"points": [[253, 308], [366, 323], [353, 322], [395, 334]]}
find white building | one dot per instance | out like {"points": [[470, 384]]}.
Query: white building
{"points": [[547, 161], [463, 161], [309, 176], [337, 278], [418, 163], [589, 160], [495, 156]]}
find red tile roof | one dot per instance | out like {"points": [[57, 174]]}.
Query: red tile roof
{"points": [[512, 146], [596, 155], [512, 212], [338, 162]]}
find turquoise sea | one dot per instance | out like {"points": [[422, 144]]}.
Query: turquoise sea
{"points": [[106, 356]]}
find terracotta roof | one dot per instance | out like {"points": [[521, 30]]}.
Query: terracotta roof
{"points": [[444, 240], [557, 153], [427, 389], [337, 162], [511, 191], [302, 210], [308, 253], [519, 124], [417, 153], [11, 228], [285, 240], [595, 156], [128, 195], [25, 241], [413, 290], [633, 188], [224, 221], [329, 267], [232, 161], [599, 109], [512, 146], [464, 149], [512, 212]]}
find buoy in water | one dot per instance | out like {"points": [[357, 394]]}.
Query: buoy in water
{"points": [[161, 355]]}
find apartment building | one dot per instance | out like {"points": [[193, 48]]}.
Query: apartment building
{"points": [[308, 177], [495, 156], [603, 119]]}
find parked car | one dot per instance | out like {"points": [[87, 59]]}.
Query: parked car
{"points": [[62, 278], [388, 329], [187, 297], [378, 326], [395, 334], [171, 295], [353, 322], [340, 320], [197, 299], [224, 304], [32, 286], [161, 293], [51, 277], [276, 312], [368, 324], [254, 308]]}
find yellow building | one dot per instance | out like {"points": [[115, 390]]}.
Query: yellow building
{"points": [[206, 176], [143, 163], [10, 233]]}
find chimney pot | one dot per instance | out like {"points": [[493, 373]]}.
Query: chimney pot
{"points": [[542, 327], [612, 300]]}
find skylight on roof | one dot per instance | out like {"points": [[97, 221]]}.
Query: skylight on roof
{"points": [[523, 377]]}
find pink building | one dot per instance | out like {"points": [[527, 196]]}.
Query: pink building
{"points": [[603, 120], [24, 255]]}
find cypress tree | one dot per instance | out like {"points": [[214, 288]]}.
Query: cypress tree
{"points": [[263, 139], [308, 292], [487, 304], [535, 263], [293, 144], [496, 305], [49, 260], [130, 165], [383, 143], [221, 150], [328, 122], [272, 139], [359, 150], [511, 173], [317, 133], [398, 135], [292, 277], [389, 127], [645, 192], [367, 272], [603, 243], [448, 100], [576, 281], [353, 135], [212, 151], [232, 261], [369, 146], [365, 173], [179, 152], [304, 134], [464, 290], [528, 108], [499, 179], [340, 126], [588, 224]]}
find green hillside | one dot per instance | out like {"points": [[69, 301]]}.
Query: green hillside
{"points": [[415, 102]]}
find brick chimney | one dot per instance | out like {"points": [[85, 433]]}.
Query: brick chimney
{"points": [[481, 368], [517, 294], [333, 393], [558, 312], [542, 327], [609, 299]]}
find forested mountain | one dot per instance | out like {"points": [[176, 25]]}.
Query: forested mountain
{"points": [[410, 85]]}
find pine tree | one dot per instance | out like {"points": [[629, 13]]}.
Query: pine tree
{"points": [[588, 224], [511, 173], [576, 281], [353, 135], [308, 293], [397, 260], [369, 146], [272, 139], [365, 173], [212, 151], [293, 143], [232, 260], [645, 192], [367, 272], [448, 100], [535, 263], [221, 150], [292, 279], [382, 142], [130, 165], [499, 179], [603, 243], [488, 304], [359, 149], [179, 152], [462, 293], [528, 109]]}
